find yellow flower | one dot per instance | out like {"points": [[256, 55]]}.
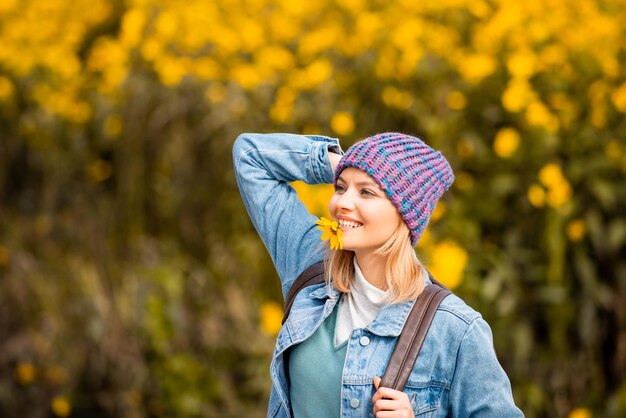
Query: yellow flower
{"points": [[330, 231], [559, 194], [271, 318], [342, 123], [506, 142], [517, 95], [580, 413], [576, 230], [551, 175], [619, 98], [537, 196], [6, 88], [476, 67], [25, 373], [448, 261], [456, 100], [61, 407], [522, 63], [399, 99], [315, 197]]}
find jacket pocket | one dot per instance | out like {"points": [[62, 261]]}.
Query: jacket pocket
{"points": [[425, 399]]}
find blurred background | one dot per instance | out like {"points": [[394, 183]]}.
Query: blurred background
{"points": [[132, 283]]}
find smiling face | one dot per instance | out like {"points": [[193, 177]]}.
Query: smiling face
{"points": [[364, 212]]}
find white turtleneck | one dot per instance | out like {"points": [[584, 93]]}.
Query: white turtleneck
{"points": [[358, 307]]}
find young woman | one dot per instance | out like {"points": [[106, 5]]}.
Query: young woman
{"points": [[339, 337]]}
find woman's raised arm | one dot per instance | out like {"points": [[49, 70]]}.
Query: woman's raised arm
{"points": [[264, 164]]}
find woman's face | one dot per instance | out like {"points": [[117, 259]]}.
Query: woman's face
{"points": [[365, 214]]}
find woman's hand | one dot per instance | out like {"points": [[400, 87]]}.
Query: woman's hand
{"points": [[390, 403]]}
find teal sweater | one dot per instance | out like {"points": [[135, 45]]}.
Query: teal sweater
{"points": [[315, 369]]}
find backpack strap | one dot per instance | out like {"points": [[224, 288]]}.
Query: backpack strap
{"points": [[314, 274], [413, 334]]}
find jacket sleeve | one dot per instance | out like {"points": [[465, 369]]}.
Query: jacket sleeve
{"points": [[264, 164], [480, 387]]}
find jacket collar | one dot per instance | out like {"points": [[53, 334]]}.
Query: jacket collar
{"points": [[390, 319]]}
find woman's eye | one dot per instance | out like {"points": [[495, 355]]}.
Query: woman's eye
{"points": [[367, 192], [339, 188]]}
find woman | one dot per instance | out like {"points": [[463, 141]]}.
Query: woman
{"points": [[339, 337]]}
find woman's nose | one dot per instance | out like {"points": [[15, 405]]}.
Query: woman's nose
{"points": [[346, 201]]}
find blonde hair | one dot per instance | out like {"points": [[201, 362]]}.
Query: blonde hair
{"points": [[404, 273]]}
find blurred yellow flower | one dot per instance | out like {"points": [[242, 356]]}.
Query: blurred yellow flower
{"points": [[394, 97], [7, 5], [330, 231], [99, 170], [580, 413], [166, 24], [559, 189], [506, 142], [342, 123], [551, 175], [133, 23], [456, 100], [522, 63], [537, 114], [4, 256], [476, 67], [215, 93], [314, 196], [172, 70], [517, 95], [25, 372], [6, 89], [559, 194], [61, 406], [448, 260], [283, 106], [537, 196], [271, 315], [246, 75], [576, 230], [618, 97]]}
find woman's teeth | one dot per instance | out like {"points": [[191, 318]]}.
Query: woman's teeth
{"points": [[348, 224]]}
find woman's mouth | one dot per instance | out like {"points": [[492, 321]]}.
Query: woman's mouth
{"points": [[347, 225]]}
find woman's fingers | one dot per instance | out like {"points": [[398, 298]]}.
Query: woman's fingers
{"points": [[395, 414], [389, 402], [386, 405], [388, 393]]}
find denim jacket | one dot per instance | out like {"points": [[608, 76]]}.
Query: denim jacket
{"points": [[456, 374]]}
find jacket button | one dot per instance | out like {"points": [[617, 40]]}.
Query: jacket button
{"points": [[364, 341], [354, 402]]}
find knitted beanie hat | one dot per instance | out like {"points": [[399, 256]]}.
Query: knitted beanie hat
{"points": [[413, 175]]}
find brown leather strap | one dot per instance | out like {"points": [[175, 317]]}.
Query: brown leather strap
{"points": [[413, 335], [314, 274]]}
